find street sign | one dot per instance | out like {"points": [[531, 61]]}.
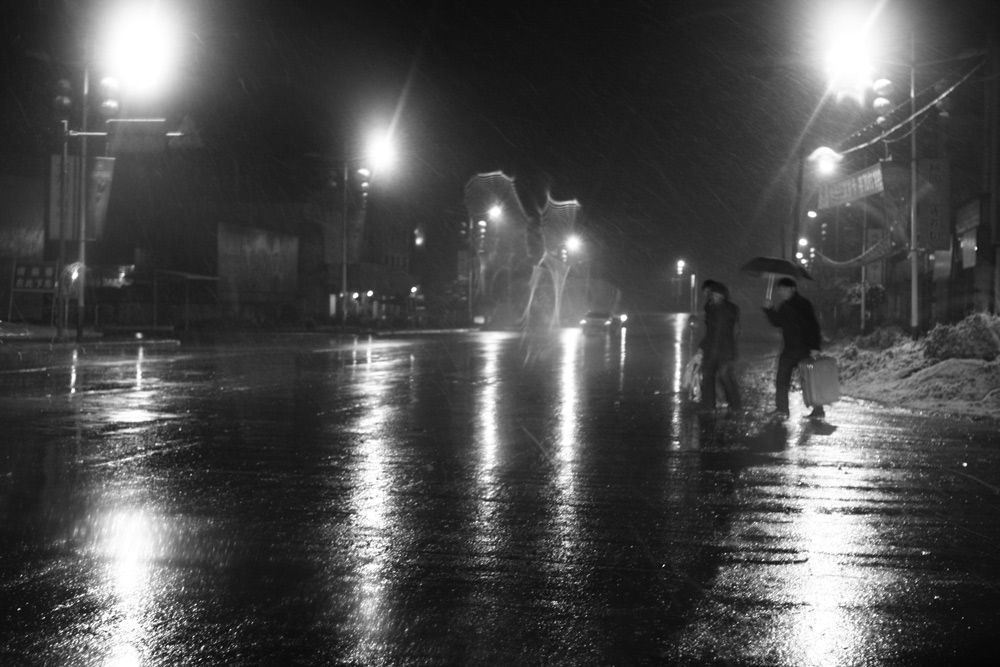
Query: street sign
{"points": [[34, 276], [137, 135]]}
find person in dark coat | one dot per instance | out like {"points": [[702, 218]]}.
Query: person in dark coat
{"points": [[718, 347], [800, 335]]}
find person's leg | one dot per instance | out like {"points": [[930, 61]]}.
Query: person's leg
{"points": [[708, 372], [783, 381], [727, 375]]}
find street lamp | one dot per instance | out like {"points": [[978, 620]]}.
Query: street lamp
{"points": [[478, 232], [141, 43], [573, 243], [140, 46], [682, 267], [881, 87], [380, 155]]}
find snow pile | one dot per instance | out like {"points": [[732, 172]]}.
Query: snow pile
{"points": [[953, 370], [975, 337]]}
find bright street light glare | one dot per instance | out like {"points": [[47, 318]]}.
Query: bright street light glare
{"points": [[826, 166], [849, 39], [573, 243], [850, 71], [382, 153], [495, 212], [141, 48], [826, 160]]}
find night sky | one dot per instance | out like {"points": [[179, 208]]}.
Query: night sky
{"points": [[675, 124]]}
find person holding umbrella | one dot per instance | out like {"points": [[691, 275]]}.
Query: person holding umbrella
{"points": [[718, 346], [800, 333]]}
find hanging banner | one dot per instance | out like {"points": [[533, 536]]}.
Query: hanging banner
{"points": [[64, 207], [102, 170], [858, 185]]}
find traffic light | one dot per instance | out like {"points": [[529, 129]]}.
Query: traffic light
{"points": [[109, 94], [882, 103], [62, 102], [66, 99]]}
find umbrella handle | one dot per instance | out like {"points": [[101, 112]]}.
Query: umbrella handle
{"points": [[770, 285]]}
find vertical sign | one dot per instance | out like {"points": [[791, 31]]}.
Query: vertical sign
{"points": [[62, 198], [933, 211], [102, 170]]}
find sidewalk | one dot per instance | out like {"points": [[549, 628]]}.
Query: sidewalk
{"points": [[24, 345], [20, 332]]}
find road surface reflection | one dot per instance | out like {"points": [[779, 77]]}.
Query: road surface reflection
{"points": [[468, 498]]}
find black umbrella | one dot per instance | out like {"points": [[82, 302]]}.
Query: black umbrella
{"points": [[775, 266]]}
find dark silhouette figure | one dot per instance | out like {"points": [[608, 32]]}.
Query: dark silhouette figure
{"points": [[800, 334], [718, 347]]}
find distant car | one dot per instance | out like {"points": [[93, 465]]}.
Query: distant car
{"points": [[600, 322]]}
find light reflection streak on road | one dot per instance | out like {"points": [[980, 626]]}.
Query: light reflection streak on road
{"points": [[823, 629], [487, 407], [73, 371], [826, 632], [621, 361], [677, 362], [137, 405], [487, 438], [369, 504], [129, 542], [569, 397], [566, 527], [820, 587]]}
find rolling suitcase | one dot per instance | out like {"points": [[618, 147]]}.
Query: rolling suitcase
{"points": [[820, 382]]}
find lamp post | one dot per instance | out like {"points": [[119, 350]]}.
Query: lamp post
{"points": [[139, 39], [381, 155], [575, 247], [344, 237], [478, 231], [914, 260], [682, 268], [858, 70], [82, 195]]}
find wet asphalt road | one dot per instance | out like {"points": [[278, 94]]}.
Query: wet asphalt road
{"points": [[476, 499]]}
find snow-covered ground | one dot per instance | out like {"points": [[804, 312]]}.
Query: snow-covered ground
{"points": [[953, 370]]}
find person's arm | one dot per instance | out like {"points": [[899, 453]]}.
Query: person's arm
{"points": [[771, 313]]}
